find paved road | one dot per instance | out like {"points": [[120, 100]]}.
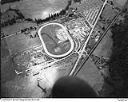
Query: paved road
{"points": [[83, 49], [95, 46]]}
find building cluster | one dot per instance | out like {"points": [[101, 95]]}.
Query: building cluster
{"points": [[61, 35], [96, 34], [100, 62], [78, 28]]}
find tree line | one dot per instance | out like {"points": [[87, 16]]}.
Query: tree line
{"points": [[38, 21], [56, 15], [12, 21], [118, 63], [8, 1]]}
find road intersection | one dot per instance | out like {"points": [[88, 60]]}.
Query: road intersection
{"points": [[85, 44]]}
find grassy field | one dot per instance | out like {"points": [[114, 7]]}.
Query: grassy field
{"points": [[16, 28], [26, 86], [4, 49], [105, 47], [21, 42], [37, 8], [86, 5], [108, 13], [91, 75]]}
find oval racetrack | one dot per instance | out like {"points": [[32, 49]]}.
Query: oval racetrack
{"points": [[56, 40]]}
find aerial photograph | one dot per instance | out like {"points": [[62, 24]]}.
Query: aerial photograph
{"points": [[64, 48]]}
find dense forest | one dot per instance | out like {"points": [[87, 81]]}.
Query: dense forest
{"points": [[8, 1], [118, 64]]}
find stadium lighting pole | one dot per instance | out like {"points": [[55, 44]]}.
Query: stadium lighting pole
{"points": [[83, 50]]}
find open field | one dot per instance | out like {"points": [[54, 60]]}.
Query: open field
{"points": [[22, 43], [4, 49], [12, 30], [90, 74], [37, 8], [105, 47], [26, 86]]}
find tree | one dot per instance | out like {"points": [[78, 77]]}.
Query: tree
{"points": [[8, 1], [118, 64], [29, 19], [77, 1]]}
